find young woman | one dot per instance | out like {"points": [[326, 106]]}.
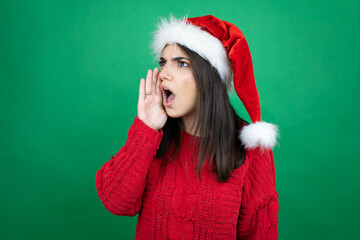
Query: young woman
{"points": [[191, 167]]}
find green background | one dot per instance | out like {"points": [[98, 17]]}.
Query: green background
{"points": [[70, 73]]}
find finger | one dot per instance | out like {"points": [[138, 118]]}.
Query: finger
{"points": [[154, 78], [158, 82], [148, 81], [141, 90]]}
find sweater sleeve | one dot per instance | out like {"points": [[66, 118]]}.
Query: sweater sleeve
{"points": [[258, 218], [121, 181]]}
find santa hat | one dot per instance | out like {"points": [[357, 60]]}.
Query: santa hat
{"points": [[224, 46]]}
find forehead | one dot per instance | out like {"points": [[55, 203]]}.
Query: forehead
{"points": [[173, 50]]}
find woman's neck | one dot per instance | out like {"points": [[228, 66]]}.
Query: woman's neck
{"points": [[187, 124]]}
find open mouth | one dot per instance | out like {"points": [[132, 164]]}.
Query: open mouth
{"points": [[168, 96]]}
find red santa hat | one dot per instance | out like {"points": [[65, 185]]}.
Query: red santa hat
{"points": [[224, 46]]}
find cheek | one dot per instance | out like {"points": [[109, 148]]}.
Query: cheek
{"points": [[190, 91], [193, 93]]}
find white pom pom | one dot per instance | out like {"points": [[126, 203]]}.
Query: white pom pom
{"points": [[259, 134]]}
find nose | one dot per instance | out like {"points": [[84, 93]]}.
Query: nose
{"points": [[165, 73]]}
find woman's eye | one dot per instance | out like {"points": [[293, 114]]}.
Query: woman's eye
{"points": [[183, 64], [161, 63]]}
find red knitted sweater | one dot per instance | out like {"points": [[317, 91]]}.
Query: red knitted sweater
{"points": [[173, 204]]}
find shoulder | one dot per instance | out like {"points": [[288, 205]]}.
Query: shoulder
{"points": [[259, 154], [260, 161]]}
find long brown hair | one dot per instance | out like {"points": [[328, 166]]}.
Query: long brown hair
{"points": [[216, 122]]}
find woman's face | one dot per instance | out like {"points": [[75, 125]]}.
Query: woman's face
{"points": [[176, 75]]}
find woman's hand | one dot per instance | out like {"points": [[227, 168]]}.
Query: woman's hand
{"points": [[150, 109]]}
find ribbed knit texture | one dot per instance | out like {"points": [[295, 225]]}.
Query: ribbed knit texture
{"points": [[173, 204]]}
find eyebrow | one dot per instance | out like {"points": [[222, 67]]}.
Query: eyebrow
{"points": [[175, 58]]}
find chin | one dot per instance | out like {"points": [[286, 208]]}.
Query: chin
{"points": [[172, 113]]}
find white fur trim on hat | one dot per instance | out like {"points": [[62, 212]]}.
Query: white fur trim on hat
{"points": [[197, 40], [259, 134]]}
